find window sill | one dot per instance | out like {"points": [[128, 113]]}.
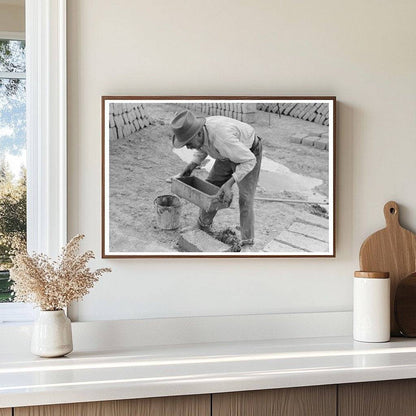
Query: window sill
{"points": [[16, 313]]}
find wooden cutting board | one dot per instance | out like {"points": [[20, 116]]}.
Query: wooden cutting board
{"points": [[393, 250]]}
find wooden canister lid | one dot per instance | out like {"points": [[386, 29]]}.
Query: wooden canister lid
{"points": [[372, 275]]}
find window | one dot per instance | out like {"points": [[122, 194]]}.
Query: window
{"points": [[12, 153], [45, 27]]}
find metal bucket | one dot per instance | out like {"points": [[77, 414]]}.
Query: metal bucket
{"points": [[168, 212]]}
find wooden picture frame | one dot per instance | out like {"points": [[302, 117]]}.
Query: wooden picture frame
{"points": [[294, 201]]}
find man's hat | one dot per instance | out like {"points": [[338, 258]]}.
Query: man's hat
{"points": [[185, 126]]}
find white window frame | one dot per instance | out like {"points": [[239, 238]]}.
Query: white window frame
{"points": [[46, 127]]}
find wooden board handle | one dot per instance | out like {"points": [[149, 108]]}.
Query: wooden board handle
{"points": [[391, 214]]}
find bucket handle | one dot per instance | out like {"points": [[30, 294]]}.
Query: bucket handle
{"points": [[159, 210], [157, 206]]}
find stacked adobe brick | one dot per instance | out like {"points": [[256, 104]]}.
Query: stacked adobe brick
{"points": [[316, 112], [240, 111], [125, 119]]}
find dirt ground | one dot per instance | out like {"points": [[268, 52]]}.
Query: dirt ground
{"points": [[141, 163]]}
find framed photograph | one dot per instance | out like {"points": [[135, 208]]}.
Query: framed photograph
{"points": [[218, 176]]}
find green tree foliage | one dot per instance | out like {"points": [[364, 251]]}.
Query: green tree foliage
{"points": [[12, 213], [12, 59], [12, 223]]}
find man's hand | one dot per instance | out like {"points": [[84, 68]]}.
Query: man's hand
{"points": [[225, 193], [188, 170]]}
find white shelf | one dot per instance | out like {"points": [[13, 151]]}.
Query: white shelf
{"points": [[150, 371]]}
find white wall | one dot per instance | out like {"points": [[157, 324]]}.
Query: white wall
{"points": [[363, 52]]}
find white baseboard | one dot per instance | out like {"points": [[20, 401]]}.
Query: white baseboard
{"points": [[169, 331]]}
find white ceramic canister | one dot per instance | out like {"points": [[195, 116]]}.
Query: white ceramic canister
{"points": [[371, 314]]}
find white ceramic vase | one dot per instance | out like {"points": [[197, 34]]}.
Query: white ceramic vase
{"points": [[52, 334]]}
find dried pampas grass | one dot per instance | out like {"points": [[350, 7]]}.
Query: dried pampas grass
{"points": [[53, 285]]}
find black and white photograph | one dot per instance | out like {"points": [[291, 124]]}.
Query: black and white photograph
{"points": [[218, 176]]}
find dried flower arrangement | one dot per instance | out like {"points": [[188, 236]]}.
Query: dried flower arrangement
{"points": [[53, 285]]}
